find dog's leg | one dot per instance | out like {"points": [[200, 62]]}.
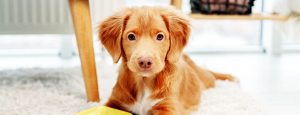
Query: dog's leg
{"points": [[167, 107], [205, 76], [121, 98], [115, 104]]}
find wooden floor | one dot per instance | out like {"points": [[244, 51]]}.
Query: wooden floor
{"points": [[275, 81]]}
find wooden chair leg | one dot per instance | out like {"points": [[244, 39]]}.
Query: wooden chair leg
{"points": [[83, 29]]}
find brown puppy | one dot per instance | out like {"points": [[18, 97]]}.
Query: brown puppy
{"points": [[155, 77]]}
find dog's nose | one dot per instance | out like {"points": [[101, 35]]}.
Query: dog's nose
{"points": [[145, 62]]}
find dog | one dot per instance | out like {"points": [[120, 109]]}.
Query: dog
{"points": [[155, 77]]}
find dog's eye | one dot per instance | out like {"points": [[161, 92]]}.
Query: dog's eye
{"points": [[160, 36], [131, 36]]}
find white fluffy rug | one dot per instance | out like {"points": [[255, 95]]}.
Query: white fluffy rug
{"points": [[61, 92]]}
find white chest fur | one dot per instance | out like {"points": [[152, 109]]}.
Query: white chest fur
{"points": [[144, 103]]}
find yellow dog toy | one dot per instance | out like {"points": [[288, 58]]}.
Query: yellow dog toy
{"points": [[103, 110]]}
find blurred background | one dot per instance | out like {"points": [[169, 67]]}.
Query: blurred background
{"points": [[30, 27], [45, 26], [39, 33]]}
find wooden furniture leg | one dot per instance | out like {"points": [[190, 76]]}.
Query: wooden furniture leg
{"points": [[176, 3], [83, 29]]}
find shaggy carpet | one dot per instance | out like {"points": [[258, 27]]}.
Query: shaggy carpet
{"points": [[39, 91]]}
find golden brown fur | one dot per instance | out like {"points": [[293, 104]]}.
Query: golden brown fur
{"points": [[172, 78]]}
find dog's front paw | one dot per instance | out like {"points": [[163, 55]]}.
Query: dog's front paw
{"points": [[165, 110], [161, 112]]}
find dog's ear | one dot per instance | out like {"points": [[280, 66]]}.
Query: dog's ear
{"points": [[179, 30], [110, 33]]}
